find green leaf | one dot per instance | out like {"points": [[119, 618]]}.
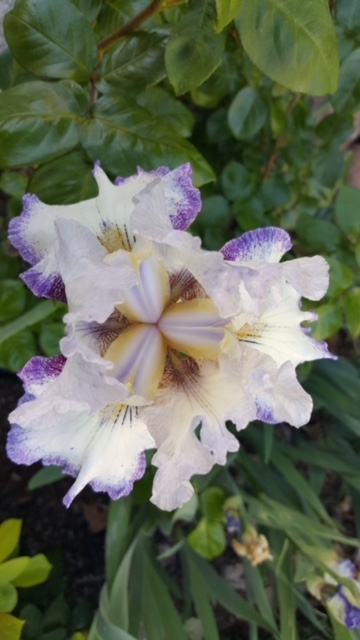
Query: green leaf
{"points": [[10, 627], [316, 234], [65, 180], [11, 569], [247, 113], [8, 598], [236, 181], [194, 50], [35, 315], [341, 277], [102, 627], [348, 93], [347, 208], [16, 351], [38, 121], [212, 503], [50, 336], [208, 538], [125, 135], [162, 104], [44, 39], [352, 311], [45, 476], [13, 183], [291, 41], [226, 10], [134, 63], [329, 321], [90, 8], [12, 299], [10, 531], [348, 13], [36, 571], [202, 602], [116, 14]]}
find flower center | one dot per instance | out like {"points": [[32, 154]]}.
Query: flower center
{"points": [[157, 322]]}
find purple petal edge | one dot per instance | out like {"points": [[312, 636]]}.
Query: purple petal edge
{"points": [[50, 286], [267, 244], [39, 371], [17, 228]]}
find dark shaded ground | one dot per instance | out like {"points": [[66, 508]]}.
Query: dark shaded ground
{"points": [[48, 527]]}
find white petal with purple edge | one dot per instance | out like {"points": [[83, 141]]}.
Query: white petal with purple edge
{"points": [[105, 450], [263, 245]]}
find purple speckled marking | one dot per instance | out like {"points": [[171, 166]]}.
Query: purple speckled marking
{"points": [[352, 613], [265, 413], [40, 371], [182, 198], [50, 286], [17, 447], [268, 244], [17, 230]]}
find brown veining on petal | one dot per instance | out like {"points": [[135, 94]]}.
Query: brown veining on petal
{"points": [[179, 371], [103, 334], [184, 286], [114, 238]]}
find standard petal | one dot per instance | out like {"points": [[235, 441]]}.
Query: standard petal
{"points": [[261, 245], [192, 394], [105, 450]]}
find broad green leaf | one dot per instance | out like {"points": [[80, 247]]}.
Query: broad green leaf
{"points": [[347, 208], [208, 538], [348, 13], [7, 64], [134, 63], [352, 311], [10, 627], [341, 277], [35, 315], [45, 476], [36, 571], [116, 14], [348, 92], [226, 10], [247, 113], [329, 321], [38, 121], [44, 38], [291, 41], [65, 180], [226, 80], [236, 181], [162, 104], [194, 50], [8, 598], [90, 8], [11, 569], [316, 234], [13, 183], [212, 503], [10, 531], [12, 299], [125, 135], [215, 214], [17, 350]]}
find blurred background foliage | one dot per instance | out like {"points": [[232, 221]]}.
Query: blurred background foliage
{"points": [[263, 98]]}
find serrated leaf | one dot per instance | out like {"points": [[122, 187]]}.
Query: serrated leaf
{"points": [[247, 113], [65, 180], [12, 299], [125, 135], [194, 51], [10, 531], [347, 208], [208, 538], [36, 571], [38, 121], [10, 627], [291, 41], [226, 10], [136, 62], [352, 311], [44, 39]]}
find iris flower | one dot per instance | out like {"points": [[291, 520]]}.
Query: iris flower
{"points": [[165, 341]]}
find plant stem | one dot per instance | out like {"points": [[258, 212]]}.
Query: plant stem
{"points": [[130, 26]]}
